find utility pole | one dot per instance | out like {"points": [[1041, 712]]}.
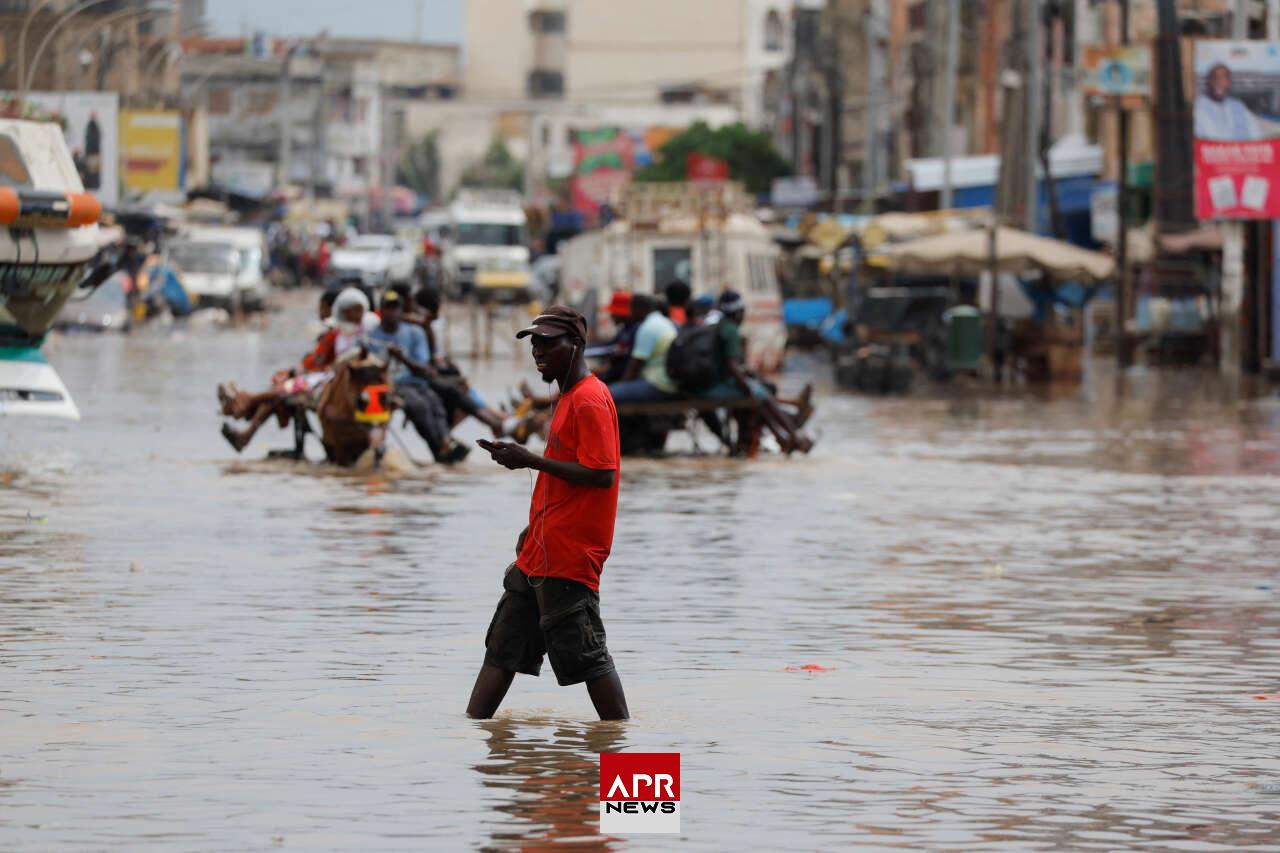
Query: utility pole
{"points": [[835, 121], [949, 102], [1011, 191], [1033, 94], [1124, 357], [284, 151], [1079, 38], [1232, 293], [871, 108]]}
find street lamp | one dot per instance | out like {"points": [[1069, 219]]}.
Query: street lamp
{"points": [[58, 24], [22, 40], [111, 20]]}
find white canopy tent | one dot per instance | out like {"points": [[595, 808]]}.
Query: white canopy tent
{"points": [[968, 253]]}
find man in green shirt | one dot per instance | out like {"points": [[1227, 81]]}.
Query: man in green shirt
{"points": [[736, 383]]}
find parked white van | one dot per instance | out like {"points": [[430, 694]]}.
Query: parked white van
{"points": [[221, 266]]}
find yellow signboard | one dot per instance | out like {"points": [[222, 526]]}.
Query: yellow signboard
{"points": [[151, 149]]}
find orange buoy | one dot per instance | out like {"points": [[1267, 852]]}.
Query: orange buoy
{"points": [[9, 206], [82, 209], [40, 209]]}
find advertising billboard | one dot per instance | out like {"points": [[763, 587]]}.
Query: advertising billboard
{"points": [[89, 122], [605, 158], [1119, 71], [1237, 129], [151, 142]]}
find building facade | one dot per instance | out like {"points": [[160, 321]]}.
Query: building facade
{"points": [[328, 114]]}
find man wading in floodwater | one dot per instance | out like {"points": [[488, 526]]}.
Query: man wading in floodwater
{"points": [[550, 601]]}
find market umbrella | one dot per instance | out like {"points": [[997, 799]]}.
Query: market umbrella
{"points": [[969, 253]]}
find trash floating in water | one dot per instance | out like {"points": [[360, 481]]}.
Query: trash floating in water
{"points": [[1270, 787], [1273, 696], [809, 667], [1265, 587], [28, 518], [136, 567], [995, 570]]}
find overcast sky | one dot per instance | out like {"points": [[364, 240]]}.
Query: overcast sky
{"points": [[442, 20]]}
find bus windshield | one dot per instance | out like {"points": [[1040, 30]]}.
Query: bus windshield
{"points": [[488, 234]]}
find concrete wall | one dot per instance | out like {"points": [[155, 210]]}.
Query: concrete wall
{"points": [[627, 51], [464, 130], [613, 51], [498, 50]]}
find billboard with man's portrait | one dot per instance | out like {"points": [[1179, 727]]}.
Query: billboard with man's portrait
{"points": [[1237, 129], [89, 122]]}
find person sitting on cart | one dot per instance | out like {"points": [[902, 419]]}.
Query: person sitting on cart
{"points": [[701, 311], [402, 342], [645, 379], [736, 382], [348, 320], [617, 350], [459, 398], [678, 295]]}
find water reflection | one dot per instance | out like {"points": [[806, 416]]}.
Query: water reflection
{"points": [[547, 773]]}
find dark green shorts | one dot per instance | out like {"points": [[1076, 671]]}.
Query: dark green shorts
{"points": [[552, 616]]}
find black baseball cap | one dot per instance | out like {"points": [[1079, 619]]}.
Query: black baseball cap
{"points": [[556, 321]]}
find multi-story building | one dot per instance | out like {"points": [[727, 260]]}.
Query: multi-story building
{"points": [[327, 113], [581, 51], [553, 68]]}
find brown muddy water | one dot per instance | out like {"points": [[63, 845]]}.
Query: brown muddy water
{"points": [[1044, 619]]}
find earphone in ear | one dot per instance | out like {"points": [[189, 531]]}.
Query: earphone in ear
{"points": [[573, 360]]}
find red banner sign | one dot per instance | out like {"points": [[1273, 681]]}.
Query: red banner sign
{"points": [[1237, 129], [1238, 180], [703, 168]]}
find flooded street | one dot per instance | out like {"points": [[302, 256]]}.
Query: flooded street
{"points": [[1043, 621]]}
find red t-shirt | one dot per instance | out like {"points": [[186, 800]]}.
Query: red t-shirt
{"points": [[571, 527], [678, 315]]}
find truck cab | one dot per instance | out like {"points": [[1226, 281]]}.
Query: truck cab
{"points": [[486, 256]]}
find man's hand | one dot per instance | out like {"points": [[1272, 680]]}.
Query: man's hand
{"points": [[511, 455]]}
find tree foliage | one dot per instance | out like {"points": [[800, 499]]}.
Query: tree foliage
{"points": [[496, 170], [419, 167], [750, 154]]}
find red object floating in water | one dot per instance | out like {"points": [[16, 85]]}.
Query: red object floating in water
{"points": [[1268, 696], [809, 667]]}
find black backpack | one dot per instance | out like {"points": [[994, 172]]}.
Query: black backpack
{"points": [[693, 359]]}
